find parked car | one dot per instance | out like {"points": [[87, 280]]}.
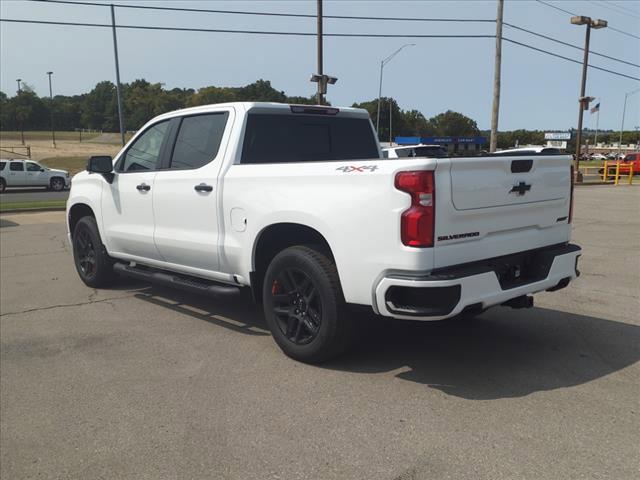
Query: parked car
{"points": [[297, 205], [27, 173], [529, 151], [412, 151], [631, 160]]}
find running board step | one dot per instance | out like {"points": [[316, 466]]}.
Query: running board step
{"points": [[175, 280]]}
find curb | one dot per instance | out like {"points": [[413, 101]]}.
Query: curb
{"points": [[33, 210]]}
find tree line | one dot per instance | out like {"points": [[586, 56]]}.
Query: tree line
{"points": [[142, 100]]}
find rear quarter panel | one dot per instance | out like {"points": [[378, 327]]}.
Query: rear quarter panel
{"points": [[356, 209]]}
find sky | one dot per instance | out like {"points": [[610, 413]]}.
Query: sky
{"points": [[435, 75]]}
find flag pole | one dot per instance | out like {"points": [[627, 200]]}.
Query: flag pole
{"points": [[595, 142]]}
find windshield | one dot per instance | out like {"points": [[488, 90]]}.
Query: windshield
{"points": [[437, 152]]}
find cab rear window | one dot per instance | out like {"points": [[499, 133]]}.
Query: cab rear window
{"points": [[274, 138]]}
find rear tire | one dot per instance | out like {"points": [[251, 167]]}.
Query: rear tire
{"points": [[304, 306], [94, 266]]}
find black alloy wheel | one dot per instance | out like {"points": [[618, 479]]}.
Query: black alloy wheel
{"points": [[92, 262], [304, 306], [85, 253], [297, 307]]}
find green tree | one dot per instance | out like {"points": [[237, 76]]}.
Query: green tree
{"points": [[452, 123], [99, 108]]}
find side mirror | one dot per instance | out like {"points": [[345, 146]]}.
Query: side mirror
{"points": [[42, 169], [102, 164]]}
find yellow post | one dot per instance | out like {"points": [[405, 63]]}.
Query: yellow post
{"points": [[631, 173], [617, 173]]}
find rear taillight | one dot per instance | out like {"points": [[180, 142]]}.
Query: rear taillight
{"points": [[571, 180], [417, 223]]}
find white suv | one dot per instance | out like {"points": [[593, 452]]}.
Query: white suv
{"points": [[27, 173]]}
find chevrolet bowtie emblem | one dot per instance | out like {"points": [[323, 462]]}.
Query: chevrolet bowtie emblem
{"points": [[520, 189]]}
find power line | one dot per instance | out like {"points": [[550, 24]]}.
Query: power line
{"points": [[615, 9], [575, 14], [268, 14], [624, 8], [570, 59], [250, 32], [344, 17], [305, 34], [570, 44]]}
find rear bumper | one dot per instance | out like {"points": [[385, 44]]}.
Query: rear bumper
{"points": [[446, 293]]}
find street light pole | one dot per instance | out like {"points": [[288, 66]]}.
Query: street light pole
{"points": [[382, 64], [21, 125], [581, 102], [584, 101], [53, 132], [624, 111], [118, 93]]}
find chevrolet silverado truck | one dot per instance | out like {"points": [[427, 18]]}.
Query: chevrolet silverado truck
{"points": [[297, 205]]}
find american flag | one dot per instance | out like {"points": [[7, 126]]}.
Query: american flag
{"points": [[596, 108]]}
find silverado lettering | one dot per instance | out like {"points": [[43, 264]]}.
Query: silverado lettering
{"points": [[456, 236]]}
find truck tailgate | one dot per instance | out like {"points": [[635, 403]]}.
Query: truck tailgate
{"points": [[478, 183], [499, 206]]}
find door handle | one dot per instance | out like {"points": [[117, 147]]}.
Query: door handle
{"points": [[203, 187], [143, 187]]}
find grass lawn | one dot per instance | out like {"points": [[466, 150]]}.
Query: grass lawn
{"points": [[36, 205], [72, 164]]}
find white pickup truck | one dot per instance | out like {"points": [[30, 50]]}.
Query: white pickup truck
{"points": [[297, 204]]}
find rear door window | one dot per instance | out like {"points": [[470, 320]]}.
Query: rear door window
{"points": [[283, 138], [198, 140], [16, 167]]}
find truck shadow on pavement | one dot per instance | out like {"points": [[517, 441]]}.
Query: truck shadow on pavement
{"points": [[503, 353], [500, 354], [240, 315], [8, 223]]}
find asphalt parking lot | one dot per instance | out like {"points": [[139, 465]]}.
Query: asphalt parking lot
{"points": [[142, 382]]}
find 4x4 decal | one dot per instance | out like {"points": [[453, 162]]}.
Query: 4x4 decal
{"points": [[352, 168]]}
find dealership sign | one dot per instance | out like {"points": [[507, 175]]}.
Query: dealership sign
{"points": [[557, 136]]}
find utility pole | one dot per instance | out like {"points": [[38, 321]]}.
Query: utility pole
{"points": [[21, 125], [118, 88], [320, 97], [493, 142], [320, 78], [53, 132]]}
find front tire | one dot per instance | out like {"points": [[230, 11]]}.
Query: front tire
{"points": [[3, 186], [304, 306], [93, 265], [56, 184]]}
